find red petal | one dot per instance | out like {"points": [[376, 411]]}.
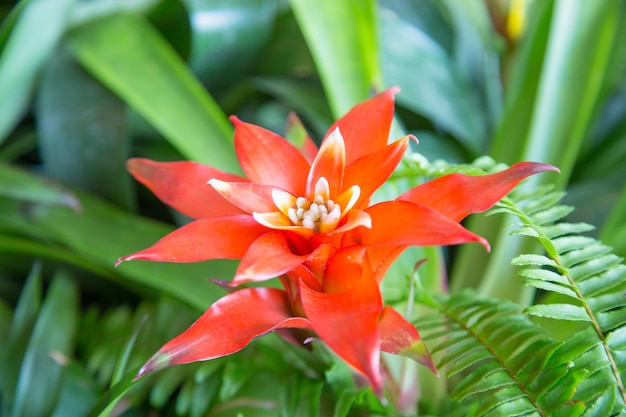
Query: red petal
{"points": [[399, 337], [225, 237], [330, 164], [365, 128], [362, 173], [248, 196], [355, 218], [227, 327], [458, 195], [270, 256], [183, 185], [267, 158], [344, 269], [348, 323], [400, 223]]}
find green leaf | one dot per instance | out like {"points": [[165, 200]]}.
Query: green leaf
{"points": [[223, 50], [33, 40], [128, 56], [342, 38], [430, 83], [15, 345], [107, 402], [83, 135], [559, 311], [101, 233], [49, 349], [21, 185]]}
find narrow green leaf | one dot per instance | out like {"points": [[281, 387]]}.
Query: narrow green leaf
{"points": [[101, 233], [604, 281], [559, 311], [128, 56], [12, 351], [551, 215], [49, 349], [562, 229], [533, 259], [551, 286], [107, 402], [342, 38], [33, 40], [617, 339], [544, 275], [22, 185]]}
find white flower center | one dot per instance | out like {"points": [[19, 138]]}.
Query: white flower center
{"points": [[317, 215]]}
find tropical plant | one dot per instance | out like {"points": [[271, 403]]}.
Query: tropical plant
{"points": [[534, 327]]}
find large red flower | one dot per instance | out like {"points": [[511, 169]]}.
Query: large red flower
{"points": [[305, 216], [288, 211]]}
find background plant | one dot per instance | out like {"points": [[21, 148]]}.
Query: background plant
{"points": [[86, 84]]}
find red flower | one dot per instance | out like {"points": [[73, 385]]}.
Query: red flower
{"points": [[287, 210], [305, 217]]}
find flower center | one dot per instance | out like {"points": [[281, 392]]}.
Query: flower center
{"points": [[319, 215]]}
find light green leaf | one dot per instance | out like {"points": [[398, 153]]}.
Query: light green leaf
{"points": [[49, 348], [24, 186], [559, 312], [128, 56], [34, 38], [342, 38]]}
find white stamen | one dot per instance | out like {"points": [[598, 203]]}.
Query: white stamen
{"points": [[320, 215]]}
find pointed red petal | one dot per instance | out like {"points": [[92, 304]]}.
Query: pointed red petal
{"points": [[362, 173], [271, 255], [399, 337], [248, 196], [348, 323], [329, 163], [183, 185], [365, 128], [400, 223], [225, 237], [227, 327], [267, 158], [458, 195]]}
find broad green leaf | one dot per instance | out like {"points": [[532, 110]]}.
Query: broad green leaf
{"points": [[129, 57], [49, 348], [343, 41], [21, 185], [101, 233], [33, 40], [83, 135], [227, 37], [429, 82]]}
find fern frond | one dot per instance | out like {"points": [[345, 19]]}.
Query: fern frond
{"points": [[497, 358], [591, 284]]}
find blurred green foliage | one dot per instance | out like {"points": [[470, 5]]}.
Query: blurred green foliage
{"points": [[84, 85]]}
